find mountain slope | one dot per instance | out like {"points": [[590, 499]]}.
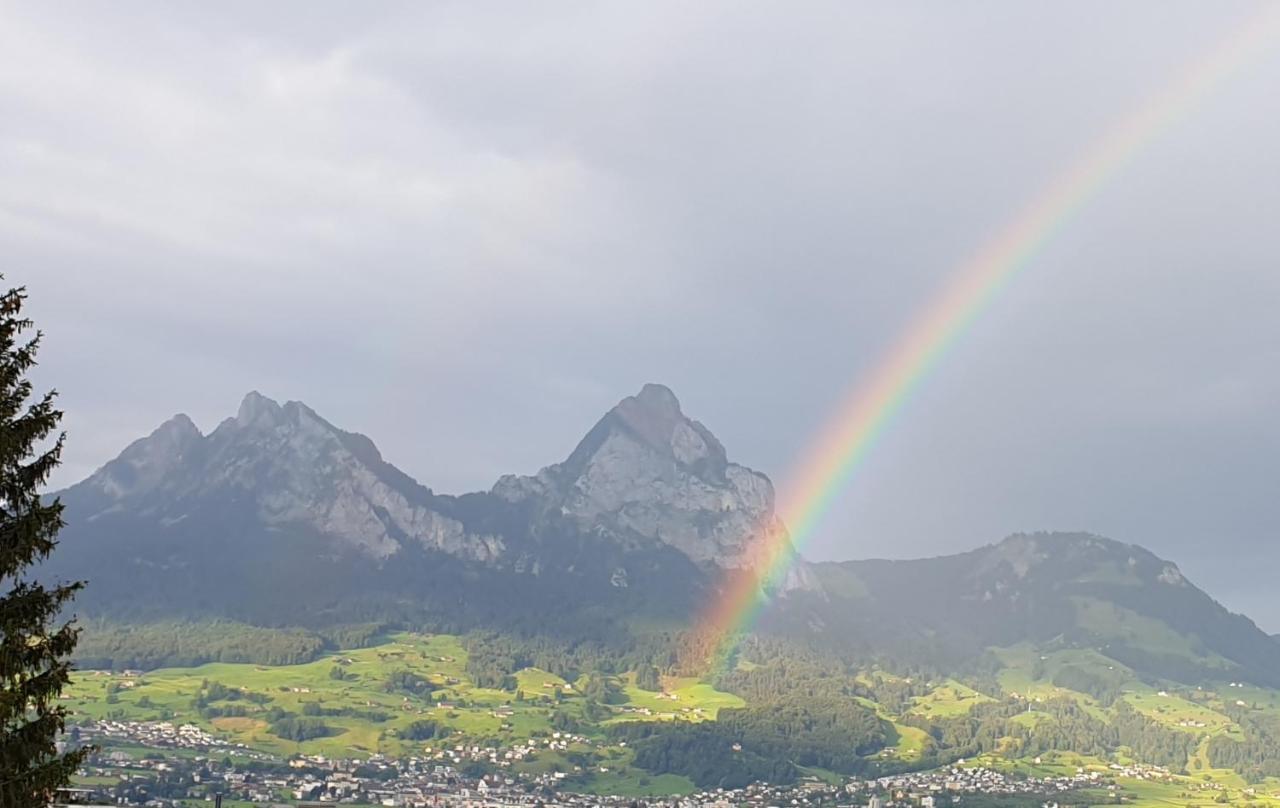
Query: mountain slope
{"points": [[293, 468], [279, 516], [1072, 590], [646, 473]]}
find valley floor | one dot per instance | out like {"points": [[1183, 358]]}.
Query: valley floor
{"points": [[411, 698]]}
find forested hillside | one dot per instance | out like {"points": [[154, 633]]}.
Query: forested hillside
{"points": [[783, 710], [280, 583]]}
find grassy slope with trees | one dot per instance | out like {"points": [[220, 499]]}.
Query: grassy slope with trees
{"points": [[783, 711]]}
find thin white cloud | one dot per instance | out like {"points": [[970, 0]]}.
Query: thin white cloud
{"points": [[467, 229]]}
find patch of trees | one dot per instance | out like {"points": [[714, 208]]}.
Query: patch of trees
{"points": [[829, 732], [594, 711], [147, 646], [317, 709], [1150, 740], [785, 666], [604, 689], [1103, 688], [408, 683], [789, 672], [983, 674], [1254, 759], [1067, 727], [353, 635], [789, 675], [781, 670], [894, 694], [563, 721], [648, 678], [493, 656], [424, 730], [704, 754], [297, 728], [176, 644], [224, 710], [372, 772], [234, 701], [1178, 667], [492, 661], [765, 742], [1258, 756], [214, 691]]}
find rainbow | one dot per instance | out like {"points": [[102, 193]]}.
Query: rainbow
{"points": [[849, 437]]}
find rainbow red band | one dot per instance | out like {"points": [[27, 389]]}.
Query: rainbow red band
{"points": [[859, 423]]}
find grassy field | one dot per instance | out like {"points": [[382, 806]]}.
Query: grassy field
{"points": [[618, 778], [1202, 790], [361, 694], [948, 700], [681, 698], [907, 743], [348, 691], [1180, 713], [1186, 792]]}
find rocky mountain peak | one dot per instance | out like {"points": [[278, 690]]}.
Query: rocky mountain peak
{"points": [[654, 417], [653, 412], [647, 473], [258, 410], [178, 431], [293, 469], [148, 462], [645, 478]]}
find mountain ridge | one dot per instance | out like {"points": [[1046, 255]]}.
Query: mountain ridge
{"points": [[1055, 589], [277, 516]]}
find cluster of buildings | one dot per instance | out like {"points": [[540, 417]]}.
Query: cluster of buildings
{"points": [[464, 775], [409, 783], [685, 712], [936, 788], [425, 783], [168, 783], [504, 757], [1142, 771], [165, 734], [153, 733]]}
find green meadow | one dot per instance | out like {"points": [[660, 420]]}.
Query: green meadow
{"points": [[948, 700], [349, 692], [354, 695]]}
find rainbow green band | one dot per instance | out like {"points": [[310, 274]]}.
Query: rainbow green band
{"points": [[842, 446]]}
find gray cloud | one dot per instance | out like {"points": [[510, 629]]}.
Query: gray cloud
{"points": [[467, 229]]}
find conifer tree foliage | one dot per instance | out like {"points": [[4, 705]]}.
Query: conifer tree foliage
{"points": [[35, 644]]}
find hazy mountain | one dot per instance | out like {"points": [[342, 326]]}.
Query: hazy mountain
{"points": [[291, 468], [279, 515], [1052, 589], [645, 473]]}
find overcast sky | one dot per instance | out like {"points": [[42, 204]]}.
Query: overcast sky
{"points": [[467, 230]]}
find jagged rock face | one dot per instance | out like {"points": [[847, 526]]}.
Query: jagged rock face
{"points": [[149, 464], [297, 469], [647, 473], [646, 478]]}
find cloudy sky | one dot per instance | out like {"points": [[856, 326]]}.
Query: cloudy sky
{"points": [[468, 229]]}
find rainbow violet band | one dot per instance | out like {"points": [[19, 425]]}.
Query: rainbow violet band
{"points": [[845, 442]]}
